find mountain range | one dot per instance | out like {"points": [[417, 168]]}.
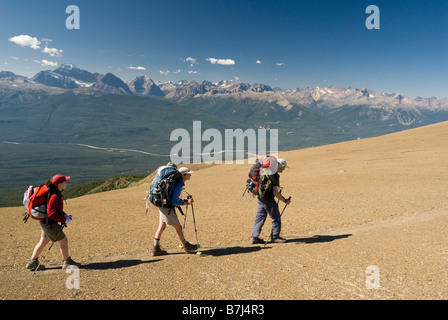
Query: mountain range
{"points": [[332, 113], [68, 76]]}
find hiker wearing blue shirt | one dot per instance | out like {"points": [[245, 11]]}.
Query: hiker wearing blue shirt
{"points": [[168, 216], [177, 201]]}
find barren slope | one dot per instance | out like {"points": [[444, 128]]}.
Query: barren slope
{"points": [[375, 202]]}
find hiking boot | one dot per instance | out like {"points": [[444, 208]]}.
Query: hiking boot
{"points": [[157, 251], [278, 239], [69, 262], [189, 248], [33, 264], [256, 240]]}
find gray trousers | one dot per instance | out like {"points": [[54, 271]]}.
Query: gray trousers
{"points": [[264, 208]]}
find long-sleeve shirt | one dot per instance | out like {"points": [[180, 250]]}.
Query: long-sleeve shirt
{"points": [[55, 208], [175, 198]]}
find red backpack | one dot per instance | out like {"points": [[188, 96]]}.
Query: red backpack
{"points": [[35, 201]]}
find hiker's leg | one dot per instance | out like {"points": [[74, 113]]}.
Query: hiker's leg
{"points": [[160, 229], [180, 234], [260, 218], [167, 217], [39, 247], [64, 248], [274, 213]]}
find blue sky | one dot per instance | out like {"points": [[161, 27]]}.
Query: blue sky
{"points": [[285, 44]]}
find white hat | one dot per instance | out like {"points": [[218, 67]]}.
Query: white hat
{"points": [[185, 170], [282, 162]]}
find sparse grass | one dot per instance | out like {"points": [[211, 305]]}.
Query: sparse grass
{"points": [[101, 186]]}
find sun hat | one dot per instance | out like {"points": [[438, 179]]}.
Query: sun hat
{"points": [[59, 178], [282, 162], [185, 170]]}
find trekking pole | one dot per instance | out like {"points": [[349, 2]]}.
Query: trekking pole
{"points": [[194, 222], [244, 192], [51, 246], [283, 210], [185, 218], [278, 219]]}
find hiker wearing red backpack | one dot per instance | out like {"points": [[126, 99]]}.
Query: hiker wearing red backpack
{"points": [[269, 190], [53, 224]]}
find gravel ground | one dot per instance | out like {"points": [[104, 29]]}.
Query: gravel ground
{"points": [[368, 220]]}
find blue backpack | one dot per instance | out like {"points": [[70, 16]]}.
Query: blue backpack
{"points": [[162, 187]]}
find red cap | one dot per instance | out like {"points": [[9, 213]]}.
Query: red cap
{"points": [[59, 178]]}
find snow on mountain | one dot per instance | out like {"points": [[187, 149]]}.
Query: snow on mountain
{"points": [[69, 76], [364, 103]]}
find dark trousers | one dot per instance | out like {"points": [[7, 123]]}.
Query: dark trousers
{"points": [[265, 207]]}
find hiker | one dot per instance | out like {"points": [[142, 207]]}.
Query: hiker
{"points": [[268, 205], [168, 216], [51, 229]]}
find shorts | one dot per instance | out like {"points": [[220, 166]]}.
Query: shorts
{"points": [[169, 216], [52, 231]]}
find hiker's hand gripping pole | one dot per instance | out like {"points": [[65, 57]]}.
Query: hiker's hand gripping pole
{"points": [[288, 201], [186, 210]]}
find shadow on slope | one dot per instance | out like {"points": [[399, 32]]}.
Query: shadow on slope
{"points": [[319, 238], [230, 250], [115, 264]]}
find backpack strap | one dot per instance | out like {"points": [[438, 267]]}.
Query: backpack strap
{"points": [[180, 210]]}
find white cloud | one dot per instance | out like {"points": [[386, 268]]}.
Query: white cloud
{"points": [[137, 68], [46, 63], [17, 58], [225, 62], [279, 64], [53, 52], [192, 72], [168, 72], [258, 62], [192, 61], [26, 41], [34, 43]]}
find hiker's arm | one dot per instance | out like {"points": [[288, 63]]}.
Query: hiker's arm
{"points": [[176, 200], [277, 194], [52, 209]]}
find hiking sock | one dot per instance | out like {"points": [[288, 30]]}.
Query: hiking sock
{"points": [[156, 242]]}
